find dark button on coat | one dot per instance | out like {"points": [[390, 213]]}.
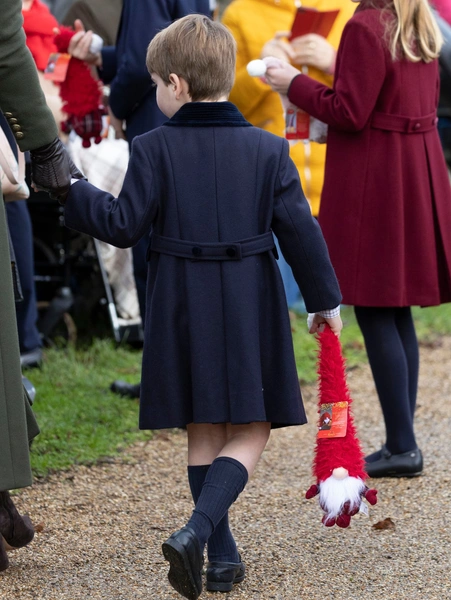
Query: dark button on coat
{"points": [[218, 345], [386, 202]]}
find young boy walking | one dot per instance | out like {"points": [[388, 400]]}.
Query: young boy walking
{"points": [[211, 189]]}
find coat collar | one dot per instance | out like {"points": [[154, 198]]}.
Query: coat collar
{"points": [[208, 114]]}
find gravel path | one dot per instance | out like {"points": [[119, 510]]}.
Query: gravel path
{"points": [[102, 527]]}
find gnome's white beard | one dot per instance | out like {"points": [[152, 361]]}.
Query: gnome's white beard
{"points": [[334, 493]]}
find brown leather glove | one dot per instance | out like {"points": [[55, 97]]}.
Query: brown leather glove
{"points": [[52, 170]]}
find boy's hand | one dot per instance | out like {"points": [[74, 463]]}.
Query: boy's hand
{"points": [[316, 323]]}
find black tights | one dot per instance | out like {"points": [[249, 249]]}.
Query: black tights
{"points": [[392, 348]]}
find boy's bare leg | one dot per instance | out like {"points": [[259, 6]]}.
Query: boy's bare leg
{"points": [[245, 443], [220, 460], [205, 442], [224, 451]]}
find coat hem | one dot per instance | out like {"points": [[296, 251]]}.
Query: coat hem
{"points": [[183, 424]]}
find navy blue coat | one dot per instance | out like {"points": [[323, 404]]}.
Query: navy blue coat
{"points": [[132, 97], [218, 345]]}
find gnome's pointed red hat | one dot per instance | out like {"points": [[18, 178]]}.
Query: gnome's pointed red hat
{"points": [[339, 463], [81, 94]]}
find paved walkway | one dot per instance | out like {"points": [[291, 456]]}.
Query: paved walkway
{"points": [[102, 527]]}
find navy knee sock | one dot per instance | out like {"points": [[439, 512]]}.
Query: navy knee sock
{"points": [[392, 354], [221, 546], [224, 481]]}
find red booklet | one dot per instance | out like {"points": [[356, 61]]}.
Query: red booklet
{"points": [[310, 20]]}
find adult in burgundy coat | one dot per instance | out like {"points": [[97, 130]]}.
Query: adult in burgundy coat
{"points": [[386, 202]]}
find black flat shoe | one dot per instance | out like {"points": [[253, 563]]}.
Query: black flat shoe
{"points": [[407, 464], [185, 557], [221, 576], [129, 390]]}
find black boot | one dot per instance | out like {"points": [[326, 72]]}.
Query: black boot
{"points": [[4, 562], [16, 530]]}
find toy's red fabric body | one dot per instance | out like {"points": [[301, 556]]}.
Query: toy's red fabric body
{"points": [[38, 24], [81, 95], [339, 463]]}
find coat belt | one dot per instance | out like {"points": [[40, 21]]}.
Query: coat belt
{"points": [[404, 124], [214, 251]]}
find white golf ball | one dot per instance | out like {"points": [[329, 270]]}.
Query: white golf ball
{"points": [[256, 68]]}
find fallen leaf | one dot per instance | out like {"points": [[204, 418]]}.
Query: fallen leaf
{"points": [[39, 528], [384, 524]]}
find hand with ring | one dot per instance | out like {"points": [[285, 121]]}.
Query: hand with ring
{"points": [[279, 47], [313, 50]]}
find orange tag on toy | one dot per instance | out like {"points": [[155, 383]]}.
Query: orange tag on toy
{"points": [[333, 420], [297, 124], [57, 66]]}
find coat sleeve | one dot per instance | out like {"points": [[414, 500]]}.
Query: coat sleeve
{"points": [[143, 21], [120, 221], [20, 92], [301, 240], [360, 75]]}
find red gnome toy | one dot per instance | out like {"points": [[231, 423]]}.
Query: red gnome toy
{"points": [[339, 463], [81, 94]]}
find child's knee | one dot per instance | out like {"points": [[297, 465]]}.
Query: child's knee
{"points": [[256, 433]]}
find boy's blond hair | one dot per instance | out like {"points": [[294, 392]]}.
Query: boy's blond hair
{"points": [[199, 50]]}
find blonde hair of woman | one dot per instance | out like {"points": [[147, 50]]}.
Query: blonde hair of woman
{"points": [[414, 32]]}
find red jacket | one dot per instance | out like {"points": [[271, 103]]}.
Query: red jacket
{"points": [[386, 202]]}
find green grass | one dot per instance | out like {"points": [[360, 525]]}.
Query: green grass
{"points": [[82, 421]]}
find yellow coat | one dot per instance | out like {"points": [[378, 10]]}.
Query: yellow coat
{"points": [[253, 23]]}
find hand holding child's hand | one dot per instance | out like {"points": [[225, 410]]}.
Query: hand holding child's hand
{"points": [[316, 323]]}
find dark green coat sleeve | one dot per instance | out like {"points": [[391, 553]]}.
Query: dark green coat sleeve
{"points": [[21, 98]]}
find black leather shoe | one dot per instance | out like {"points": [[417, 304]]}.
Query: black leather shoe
{"points": [[123, 388], [222, 575], [183, 552], [407, 464]]}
